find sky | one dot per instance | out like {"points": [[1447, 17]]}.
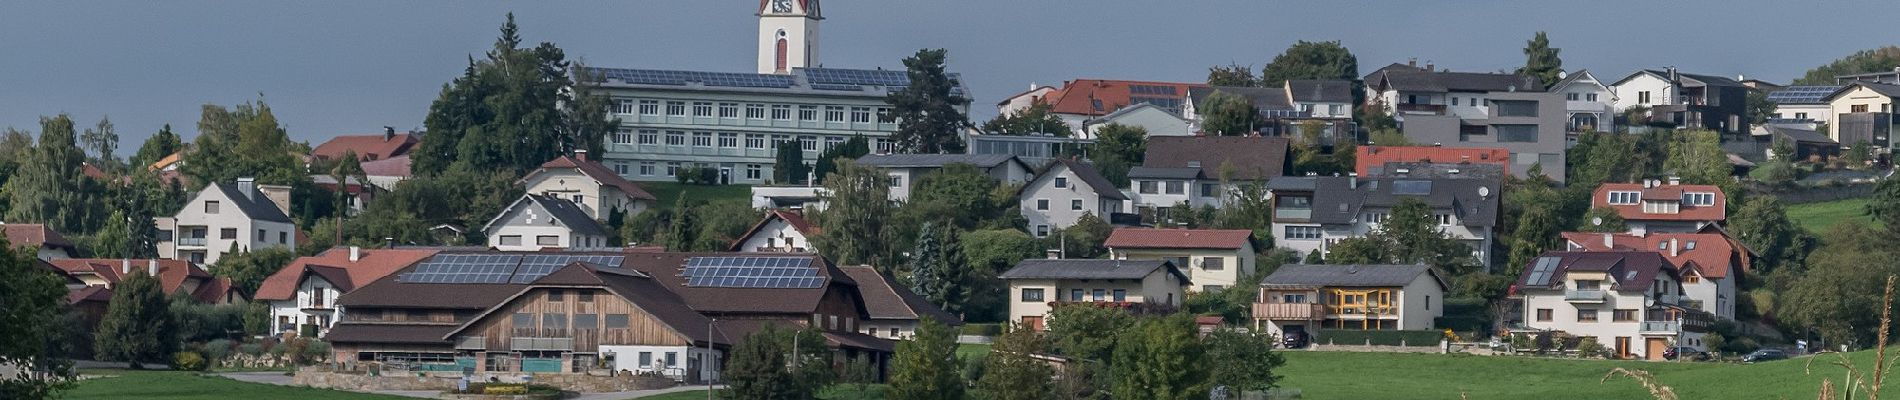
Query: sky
{"points": [[352, 67]]}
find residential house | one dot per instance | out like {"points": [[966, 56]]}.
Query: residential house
{"points": [[1654, 206], [46, 243], [1038, 286], [1285, 109], [1863, 112], [1375, 160], [303, 295], [227, 217], [1201, 170], [1690, 101], [1802, 105], [597, 190], [1888, 77], [386, 145], [1808, 144], [1080, 100], [1312, 213], [174, 276], [894, 311], [1153, 119], [1640, 291], [1488, 110], [1020, 101], [550, 222], [1589, 104], [1405, 90], [794, 197], [1035, 150], [1310, 298], [384, 174], [1065, 191], [781, 231], [1271, 103], [1213, 258], [1710, 262], [906, 169]]}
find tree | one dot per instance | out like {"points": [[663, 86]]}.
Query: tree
{"points": [[1117, 149], [1757, 106], [1839, 295], [1881, 59], [35, 302], [1232, 75], [102, 141], [828, 160], [990, 252], [789, 168], [513, 110], [49, 188], [927, 111], [1086, 332], [1857, 156], [1311, 60], [1884, 205], [852, 227], [1534, 216], [138, 326], [248, 270], [1243, 361], [925, 367], [114, 240], [1249, 206], [161, 144], [960, 194], [1159, 358], [1039, 118], [757, 370], [1541, 61], [1012, 372], [1763, 225], [1410, 235], [937, 268], [243, 141], [1612, 221], [1226, 114], [679, 237]]}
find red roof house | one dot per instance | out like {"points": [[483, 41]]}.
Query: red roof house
{"points": [[1179, 238], [50, 243], [344, 267], [368, 147], [1656, 206], [173, 276]]}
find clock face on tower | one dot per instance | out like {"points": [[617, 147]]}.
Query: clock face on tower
{"points": [[781, 6]]}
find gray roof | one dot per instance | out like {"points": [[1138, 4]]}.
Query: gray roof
{"points": [[934, 160], [1089, 175], [1164, 173], [1881, 88], [1705, 80], [1336, 201], [1263, 98], [1413, 79], [1089, 269], [1798, 134], [1320, 90], [1350, 275], [254, 204], [564, 210]]}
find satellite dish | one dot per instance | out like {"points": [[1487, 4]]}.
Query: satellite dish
{"points": [[1598, 221], [1484, 191]]}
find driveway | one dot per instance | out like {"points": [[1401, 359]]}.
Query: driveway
{"points": [[278, 378]]}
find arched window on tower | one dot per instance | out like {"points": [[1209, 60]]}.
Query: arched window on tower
{"points": [[781, 50]]}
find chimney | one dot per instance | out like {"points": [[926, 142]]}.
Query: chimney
{"points": [[1352, 180], [1675, 247], [356, 253], [1673, 76], [389, 243], [125, 266], [580, 154], [1052, 254], [1675, 180], [248, 187], [151, 267], [1430, 66], [279, 196], [389, 133], [1609, 241], [1411, 62]]}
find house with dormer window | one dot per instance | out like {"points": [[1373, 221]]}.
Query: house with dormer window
{"points": [[1631, 302], [1663, 206]]}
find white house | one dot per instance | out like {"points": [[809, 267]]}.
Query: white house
{"points": [[597, 190], [303, 294], [1802, 104], [782, 231], [1310, 214], [1021, 101], [1064, 192], [1629, 301], [1201, 170], [1308, 298], [1590, 104], [789, 197], [1152, 119], [1711, 262], [892, 310], [1037, 286], [538, 222], [1213, 258], [906, 169], [224, 217], [1687, 100]]}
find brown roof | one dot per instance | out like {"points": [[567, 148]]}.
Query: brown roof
{"points": [[1370, 157], [19, 235], [1079, 96], [1633, 271], [405, 333], [393, 166], [594, 170], [367, 147], [885, 299], [172, 275], [1665, 192], [1710, 255], [1146, 238], [666, 268], [89, 293], [1251, 157], [794, 218], [373, 264], [633, 286]]}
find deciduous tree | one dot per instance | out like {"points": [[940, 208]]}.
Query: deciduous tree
{"points": [[34, 302], [1881, 59], [1232, 75], [852, 225], [1763, 226], [1160, 358], [1013, 372], [1226, 114], [513, 110], [1117, 149], [1311, 60], [926, 366], [1243, 361], [757, 370], [1038, 118], [161, 144], [48, 187]]}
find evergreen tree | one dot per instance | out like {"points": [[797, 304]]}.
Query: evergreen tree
{"points": [[926, 367], [1612, 221], [1541, 61], [757, 369], [138, 326], [1159, 358], [161, 144], [114, 239], [1012, 372], [828, 160], [48, 188], [513, 110], [1763, 226], [928, 114], [1226, 114], [679, 236], [32, 304], [938, 268], [1311, 60], [1884, 205], [789, 166]]}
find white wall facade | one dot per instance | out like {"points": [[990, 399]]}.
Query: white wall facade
{"points": [[314, 301], [596, 199], [1564, 314], [800, 34], [627, 358], [1629, 93], [1067, 197], [1232, 265], [1819, 113], [777, 236], [198, 217], [1158, 287], [894, 329]]}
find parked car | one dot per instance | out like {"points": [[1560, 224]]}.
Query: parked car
{"points": [[1295, 340], [1764, 355], [1689, 353]]}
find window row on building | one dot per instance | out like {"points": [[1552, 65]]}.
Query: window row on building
{"points": [[752, 111], [732, 140]]}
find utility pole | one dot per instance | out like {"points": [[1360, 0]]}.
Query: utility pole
{"points": [[705, 363]]}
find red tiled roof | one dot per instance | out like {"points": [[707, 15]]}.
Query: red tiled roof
{"points": [[598, 172], [1711, 255], [1178, 238], [367, 147], [172, 275], [373, 264], [1078, 96], [89, 293], [1666, 192], [19, 235], [1377, 156]]}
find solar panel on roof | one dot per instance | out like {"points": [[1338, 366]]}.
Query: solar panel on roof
{"points": [[1416, 188], [1542, 271], [752, 272]]}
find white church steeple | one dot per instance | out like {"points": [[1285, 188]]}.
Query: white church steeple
{"points": [[788, 35]]}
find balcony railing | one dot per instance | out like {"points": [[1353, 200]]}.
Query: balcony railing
{"points": [[191, 241], [1362, 310], [1306, 311], [1293, 213], [1584, 296], [1422, 108], [1665, 327]]}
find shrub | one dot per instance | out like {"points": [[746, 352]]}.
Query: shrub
{"points": [[188, 361], [1521, 342], [217, 350], [505, 389], [251, 349], [316, 350], [1589, 348]]}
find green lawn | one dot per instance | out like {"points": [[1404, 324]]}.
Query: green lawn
{"points": [[835, 392], [966, 350], [1818, 217], [1336, 375], [166, 385], [669, 192]]}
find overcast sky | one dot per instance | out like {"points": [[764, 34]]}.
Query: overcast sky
{"points": [[331, 68]]}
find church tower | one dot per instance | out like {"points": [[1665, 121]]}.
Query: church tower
{"points": [[788, 35]]}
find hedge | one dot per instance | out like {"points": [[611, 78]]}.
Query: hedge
{"points": [[983, 329], [1379, 338]]}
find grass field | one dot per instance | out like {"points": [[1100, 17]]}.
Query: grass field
{"points": [[837, 392], [1818, 217], [668, 192], [172, 385], [1334, 375]]}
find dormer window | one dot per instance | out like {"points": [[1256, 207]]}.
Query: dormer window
{"points": [[1698, 199], [1624, 198]]}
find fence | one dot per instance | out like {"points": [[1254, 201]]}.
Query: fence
{"points": [[1380, 338]]}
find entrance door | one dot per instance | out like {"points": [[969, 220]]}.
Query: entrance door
{"points": [[1033, 323], [1622, 347], [1653, 348]]}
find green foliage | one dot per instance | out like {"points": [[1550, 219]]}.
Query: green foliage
{"points": [[1085, 332], [1859, 155], [1775, 172], [938, 270], [199, 322], [1612, 221], [102, 141], [1248, 206], [1160, 358], [243, 141], [1243, 361], [189, 361], [960, 194], [854, 224], [1589, 348], [161, 144], [1534, 216], [927, 113], [256, 319], [1698, 158], [513, 110], [34, 302], [1763, 226], [1380, 338], [138, 326], [1384, 128], [1232, 75], [990, 252], [1884, 205], [757, 369], [1311, 60], [48, 186], [1227, 114], [1410, 235], [856, 147], [679, 236], [1085, 239], [788, 167], [247, 270], [1011, 372], [1037, 119], [1117, 148], [1541, 61], [926, 367], [1882, 59], [1839, 295], [1757, 107]]}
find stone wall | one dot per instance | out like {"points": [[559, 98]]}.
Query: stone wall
{"points": [[325, 378]]}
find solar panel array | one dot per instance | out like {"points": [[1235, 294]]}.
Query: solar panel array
{"points": [[681, 78], [1414, 188], [858, 76], [496, 268], [1541, 273], [1801, 94], [752, 272]]}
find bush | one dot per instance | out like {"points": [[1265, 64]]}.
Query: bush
{"points": [[1589, 348], [217, 350], [505, 389], [316, 350], [1380, 338], [251, 349], [983, 329], [188, 361]]}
